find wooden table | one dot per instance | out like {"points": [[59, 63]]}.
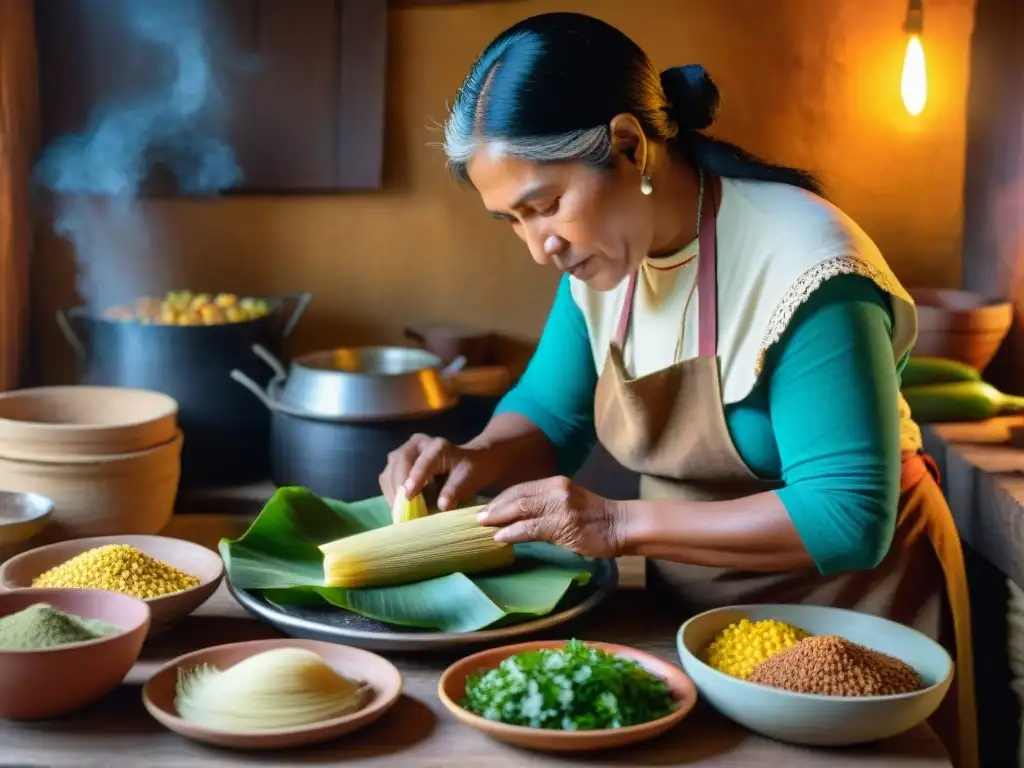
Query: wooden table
{"points": [[983, 479], [982, 467], [418, 732]]}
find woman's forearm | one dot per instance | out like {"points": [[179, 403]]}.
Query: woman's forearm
{"points": [[753, 533], [517, 449]]}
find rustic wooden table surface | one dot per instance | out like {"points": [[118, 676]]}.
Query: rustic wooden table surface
{"points": [[418, 732]]}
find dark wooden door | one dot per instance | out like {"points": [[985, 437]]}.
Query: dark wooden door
{"points": [[299, 93]]}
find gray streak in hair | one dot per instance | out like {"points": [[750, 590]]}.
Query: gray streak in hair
{"points": [[461, 141]]}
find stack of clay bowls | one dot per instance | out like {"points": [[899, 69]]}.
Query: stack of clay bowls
{"points": [[108, 457], [960, 325]]}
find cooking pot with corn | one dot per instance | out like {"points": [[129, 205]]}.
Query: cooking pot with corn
{"points": [[185, 344], [188, 308]]}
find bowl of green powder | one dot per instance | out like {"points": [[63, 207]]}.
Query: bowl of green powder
{"points": [[61, 649]]}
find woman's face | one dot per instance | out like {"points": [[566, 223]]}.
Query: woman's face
{"points": [[591, 223]]}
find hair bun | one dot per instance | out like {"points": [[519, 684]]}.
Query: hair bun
{"points": [[692, 96]]}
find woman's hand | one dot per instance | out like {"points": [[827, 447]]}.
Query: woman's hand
{"points": [[422, 458], [559, 511]]}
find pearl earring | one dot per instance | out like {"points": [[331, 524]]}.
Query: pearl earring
{"points": [[645, 185]]}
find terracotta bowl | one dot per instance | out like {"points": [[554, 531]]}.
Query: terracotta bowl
{"points": [[19, 572], [56, 681], [803, 718], [354, 663], [960, 325], [44, 423], [452, 688], [101, 496]]}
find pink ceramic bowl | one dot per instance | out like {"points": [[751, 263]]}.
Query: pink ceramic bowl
{"points": [[20, 571], [58, 680]]}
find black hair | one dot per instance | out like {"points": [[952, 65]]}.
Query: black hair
{"points": [[549, 86]]}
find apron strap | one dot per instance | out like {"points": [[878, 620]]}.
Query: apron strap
{"points": [[627, 310], [707, 274], [707, 279]]}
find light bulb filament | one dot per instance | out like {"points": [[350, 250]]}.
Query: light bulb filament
{"points": [[914, 80]]}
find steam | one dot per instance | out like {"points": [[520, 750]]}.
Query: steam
{"points": [[96, 175]]}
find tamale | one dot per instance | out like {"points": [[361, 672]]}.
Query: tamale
{"points": [[437, 545], [404, 509]]}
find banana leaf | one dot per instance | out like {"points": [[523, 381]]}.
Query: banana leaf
{"points": [[279, 557]]}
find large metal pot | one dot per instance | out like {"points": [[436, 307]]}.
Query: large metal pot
{"points": [[338, 443], [226, 436], [364, 383]]}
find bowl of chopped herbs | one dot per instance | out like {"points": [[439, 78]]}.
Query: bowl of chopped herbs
{"points": [[567, 695]]}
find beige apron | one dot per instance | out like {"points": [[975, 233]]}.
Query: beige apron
{"points": [[669, 426]]}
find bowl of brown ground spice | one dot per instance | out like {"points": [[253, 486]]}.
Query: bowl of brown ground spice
{"points": [[837, 677]]}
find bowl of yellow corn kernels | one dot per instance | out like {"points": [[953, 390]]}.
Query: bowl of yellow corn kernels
{"points": [[814, 675], [174, 577]]}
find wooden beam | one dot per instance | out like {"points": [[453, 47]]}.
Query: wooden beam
{"points": [[993, 259]]}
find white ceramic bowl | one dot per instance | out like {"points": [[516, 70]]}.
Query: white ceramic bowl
{"points": [[810, 719]]}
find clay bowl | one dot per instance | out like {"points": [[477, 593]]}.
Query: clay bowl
{"points": [[960, 325], [802, 718], [19, 572], [354, 663], [46, 423], [452, 687], [22, 516], [100, 496], [55, 681]]}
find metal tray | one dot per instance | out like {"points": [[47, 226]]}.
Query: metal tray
{"points": [[337, 625]]}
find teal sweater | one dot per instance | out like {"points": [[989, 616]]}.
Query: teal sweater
{"points": [[823, 418]]}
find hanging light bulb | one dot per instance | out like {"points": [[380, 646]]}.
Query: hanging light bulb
{"points": [[914, 80]]}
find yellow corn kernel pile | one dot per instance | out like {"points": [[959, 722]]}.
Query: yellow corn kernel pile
{"points": [[742, 646], [117, 568], [187, 308]]}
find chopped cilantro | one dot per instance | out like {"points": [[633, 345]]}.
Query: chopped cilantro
{"points": [[575, 688]]}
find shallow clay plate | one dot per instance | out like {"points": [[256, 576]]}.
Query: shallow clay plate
{"points": [[354, 663], [203, 563], [452, 687]]}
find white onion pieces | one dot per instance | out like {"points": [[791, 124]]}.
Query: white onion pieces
{"points": [[282, 688]]}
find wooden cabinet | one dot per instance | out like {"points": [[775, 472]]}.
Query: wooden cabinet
{"points": [[300, 100]]}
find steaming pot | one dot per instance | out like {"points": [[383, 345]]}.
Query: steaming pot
{"points": [[226, 436]]}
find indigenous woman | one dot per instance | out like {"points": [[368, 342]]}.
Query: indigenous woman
{"points": [[720, 328]]}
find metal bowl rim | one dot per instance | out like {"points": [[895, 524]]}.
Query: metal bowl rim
{"points": [[299, 363], [273, 393], [39, 506]]}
